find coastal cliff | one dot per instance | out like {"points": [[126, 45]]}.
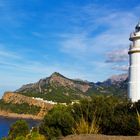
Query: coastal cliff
{"points": [[32, 108]]}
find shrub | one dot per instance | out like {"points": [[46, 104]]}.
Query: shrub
{"points": [[138, 116], [116, 116], [23, 108], [57, 122], [35, 136], [102, 114], [19, 128], [20, 138]]}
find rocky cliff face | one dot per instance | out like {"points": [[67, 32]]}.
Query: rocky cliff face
{"points": [[60, 80], [16, 98]]}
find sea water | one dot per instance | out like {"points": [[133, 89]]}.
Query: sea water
{"points": [[5, 124]]}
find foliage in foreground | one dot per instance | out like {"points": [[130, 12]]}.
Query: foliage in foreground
{"points": [[57, 122], [102, 114], [84, 127], [115, 116], [106, 115], [31, 136], [138, 117], [20, 131], [19, 128]]}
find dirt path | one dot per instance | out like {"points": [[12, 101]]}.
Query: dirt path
{"points": [[99, 137]]}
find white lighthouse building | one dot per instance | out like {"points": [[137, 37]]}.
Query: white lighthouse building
{"points": [[134, 65]]}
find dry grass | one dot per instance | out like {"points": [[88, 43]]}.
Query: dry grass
{"points": [[138, 117], [84, 127]]}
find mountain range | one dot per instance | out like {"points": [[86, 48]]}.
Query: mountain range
{"points": [[35, 99], [59, 88]]}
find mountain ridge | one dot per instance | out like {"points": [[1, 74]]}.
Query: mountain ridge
{"points": [[35, 99], [57, 85], [55, 77]]}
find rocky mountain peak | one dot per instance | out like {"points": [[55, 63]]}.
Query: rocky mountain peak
{"points": [[119, 78], [56, 74], [115, 80], [55, 80]]}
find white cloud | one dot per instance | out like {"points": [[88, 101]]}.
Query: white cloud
{"points": [[75, 45], [105, 32], [119, 25], [117, 56], [120, 68], [6, 54]]}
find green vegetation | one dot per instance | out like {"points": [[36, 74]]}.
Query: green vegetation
{"points": [[20, 131], [59, 88], [116, 116], [63, 92], [103, 114], [115, 90], [57, 122], [20, 128], [58, 94], [20, 109], [138, 117], [107, 115], [35, 136]]}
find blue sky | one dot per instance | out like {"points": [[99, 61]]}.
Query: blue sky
{"points": [[86, 39]]}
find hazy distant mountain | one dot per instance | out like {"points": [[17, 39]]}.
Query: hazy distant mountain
{"points": [[116, 85], [116, 79]]}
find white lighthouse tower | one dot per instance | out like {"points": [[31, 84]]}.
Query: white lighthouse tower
{"points": [[134, 65]]}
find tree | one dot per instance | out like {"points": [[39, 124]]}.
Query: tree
{"points": [[58, 121], [19, 128], [35, 136]]}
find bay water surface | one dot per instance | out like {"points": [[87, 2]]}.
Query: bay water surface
{"points": [[5, 124]]}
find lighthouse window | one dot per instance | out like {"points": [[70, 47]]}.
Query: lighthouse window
{"points": [[137, 29]]}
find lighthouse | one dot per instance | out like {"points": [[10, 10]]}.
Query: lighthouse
{"points": [[134, 65]]}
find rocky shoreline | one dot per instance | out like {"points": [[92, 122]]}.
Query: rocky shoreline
{"points": [[19, 116]]}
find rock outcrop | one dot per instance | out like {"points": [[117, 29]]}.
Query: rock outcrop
{"points": [[16, 98], [60, 80], [116, 79], [55, 79]]}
